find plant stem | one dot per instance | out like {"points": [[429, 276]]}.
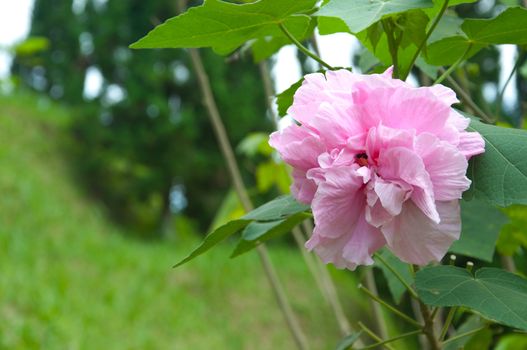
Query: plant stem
{"points": [[427, 36], [404, 335], [392, 46], [467, 99], [499, 100], [373, 335], [397, 274], [377, 311], [448, 321], [428, 328], [234, 171], [390, 307], [315, 267], [303, 48], [508, 263], [462, 335], [454, 66]]}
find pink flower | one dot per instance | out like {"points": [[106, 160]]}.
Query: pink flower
{"points": [[381, 163]]}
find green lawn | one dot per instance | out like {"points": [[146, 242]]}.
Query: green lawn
{"points": [[71, 280]]}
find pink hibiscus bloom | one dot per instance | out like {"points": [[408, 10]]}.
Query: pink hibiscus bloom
{"points": [[381, 163]]}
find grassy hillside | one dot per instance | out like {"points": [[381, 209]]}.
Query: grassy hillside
{"points": [[70, 280]]}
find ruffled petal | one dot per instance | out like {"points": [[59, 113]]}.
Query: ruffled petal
{"points": [[403, 164], [446, 166], [416, 239], [302, 188], [471, 144], [297, 146], [338, 202], [404, 108]]}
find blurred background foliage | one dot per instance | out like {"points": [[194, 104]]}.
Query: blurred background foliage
{"points": [[144, 145], [84, 170]]}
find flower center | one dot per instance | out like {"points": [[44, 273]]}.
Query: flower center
{"points": [[361, 159]]}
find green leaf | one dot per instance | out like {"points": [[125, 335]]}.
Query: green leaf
{"points": [[512, 342], [284, 100], [447, 51], [479, 232], [258, 232], [255, 143], [414, 23], [277, 209], [397, 289], [472, 323], [500, 174], [331, 25], [506, 28], [214, 238], [348, 341], [448, 26], [360, 14], [284, 207], [367, 60], [496, 294], [263, 48], [374, 34], [271, 173], [382, 51], [513, 235], [226, 26]]}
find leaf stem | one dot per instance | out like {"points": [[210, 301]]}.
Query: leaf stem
{"points": [[462, 335], [467, 99], [369, 279], [454, 66], [499, 100], [373, 335], [234, 171], [427, 36], [448, 321], [397, 275], [404, 335], [389, 307], [302, 48]]}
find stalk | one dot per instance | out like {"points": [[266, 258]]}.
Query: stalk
{"points": [[241, 191]]}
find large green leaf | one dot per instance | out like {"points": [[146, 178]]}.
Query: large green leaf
{"points": [[360, 14], [397, 289], [278, 208], [506, 28], [500, 174], [284, 209], [264, 48], [258, 232], [226, 26], [479, 232], [285, 99], [494, 293], [382, 51], [214, 238]]}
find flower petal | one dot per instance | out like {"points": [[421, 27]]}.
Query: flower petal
{"points": [[338, 202], [404, 164], [416, 239], [471, 144], [446, 166]]}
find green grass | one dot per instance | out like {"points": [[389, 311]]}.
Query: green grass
{"points": [[71, 280]]}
